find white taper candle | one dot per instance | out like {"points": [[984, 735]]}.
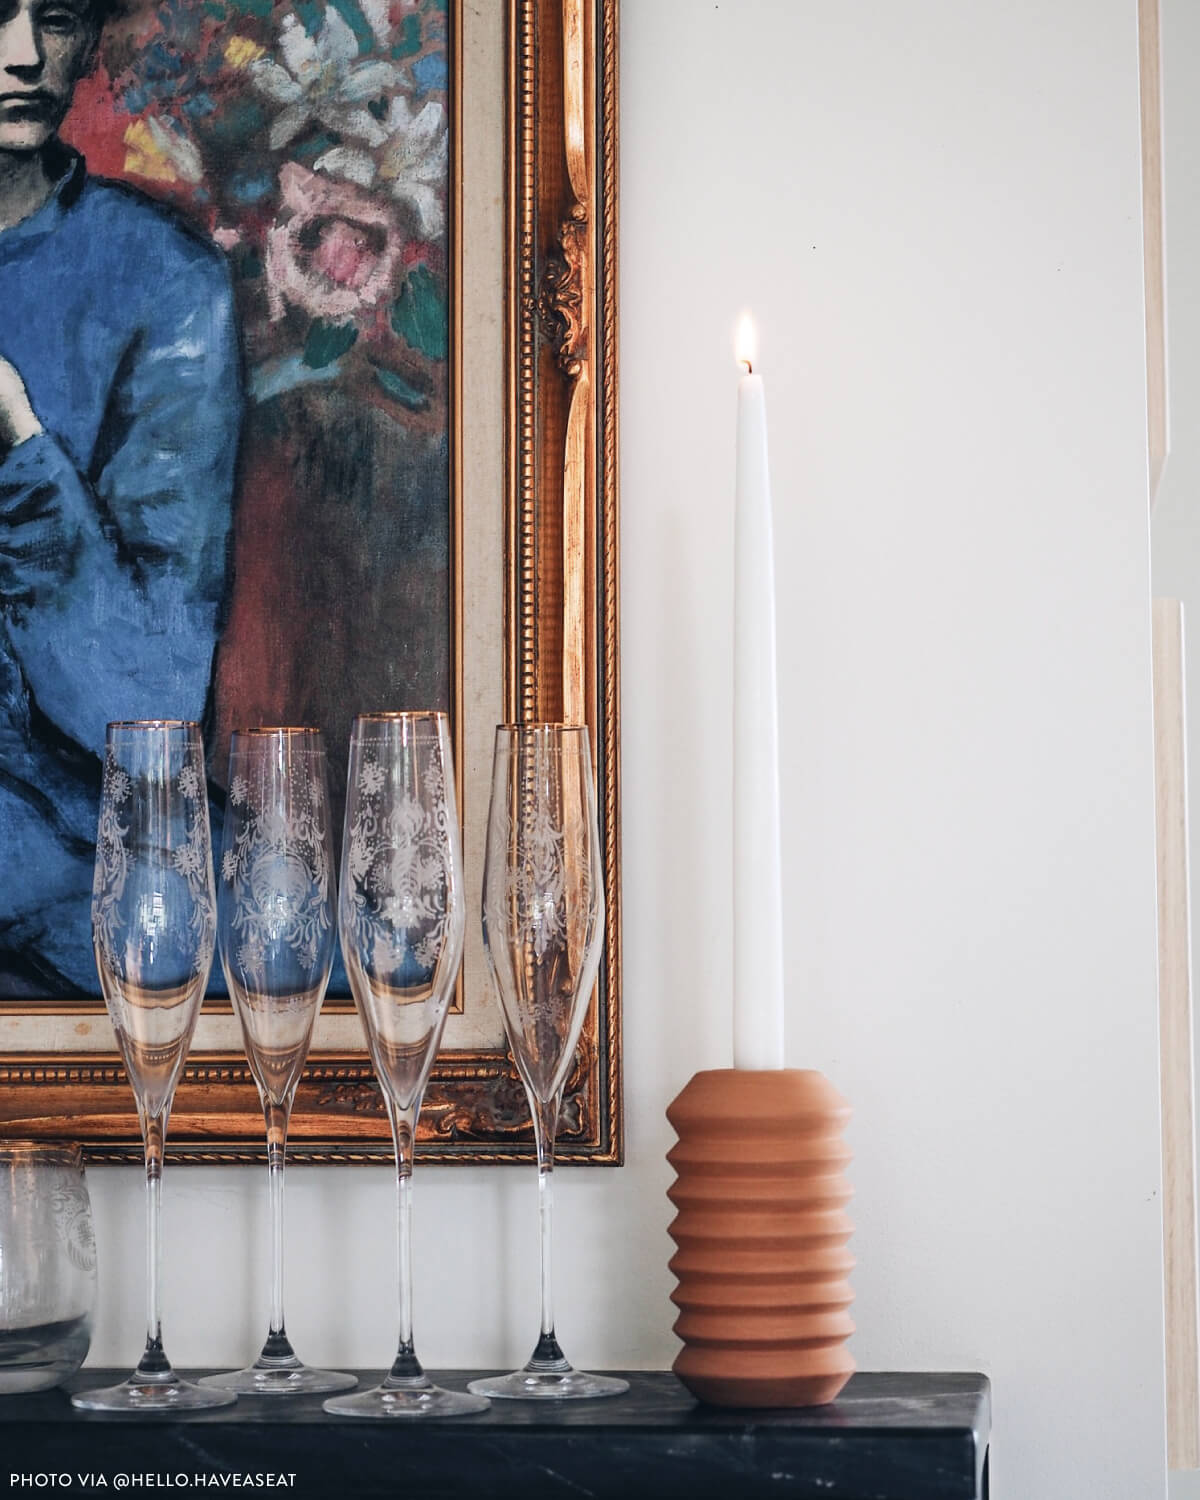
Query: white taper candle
{"points": [[757, 885]]}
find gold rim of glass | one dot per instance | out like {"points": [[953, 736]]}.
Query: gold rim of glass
{"points": [[154, 724], [71, 1149], [276, 729], [401, 716]]}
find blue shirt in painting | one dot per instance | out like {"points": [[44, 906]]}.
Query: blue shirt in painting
{"points": [[114, 526]]}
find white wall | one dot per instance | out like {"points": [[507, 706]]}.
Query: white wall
{"points": [[934, 211]]}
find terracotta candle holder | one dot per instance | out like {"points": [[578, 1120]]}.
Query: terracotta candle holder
{"points": [[762, 1262]]}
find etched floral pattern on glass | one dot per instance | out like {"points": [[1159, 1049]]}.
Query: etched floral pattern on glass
{"points": [[275, 915], [153, 933], [188, 854], [278, 869], [396, 863], [401, 921], [543, 931]]}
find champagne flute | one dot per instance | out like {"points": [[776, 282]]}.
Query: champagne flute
{"points": [[275, 935], [153, 925], [543, 929], [401, 920]]}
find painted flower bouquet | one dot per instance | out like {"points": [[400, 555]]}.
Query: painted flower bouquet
{"points": [[310, 140]]}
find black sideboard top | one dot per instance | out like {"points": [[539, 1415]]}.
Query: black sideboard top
{"points": [[889, 1436]]}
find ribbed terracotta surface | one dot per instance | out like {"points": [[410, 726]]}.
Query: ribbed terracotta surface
{"points": [[760, 1190]]}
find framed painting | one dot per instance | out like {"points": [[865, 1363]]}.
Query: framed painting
{"points": [[312, 324]]}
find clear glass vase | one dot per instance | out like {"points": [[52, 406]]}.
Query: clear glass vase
{"points": [[47, 1265]]}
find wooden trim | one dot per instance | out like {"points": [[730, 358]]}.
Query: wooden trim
{"points": [[1154, 241], [1175, 1040], [474, 1111], [605, 651], [562, 435]]}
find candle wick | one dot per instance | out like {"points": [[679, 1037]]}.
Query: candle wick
{"points": [[749, 366]]}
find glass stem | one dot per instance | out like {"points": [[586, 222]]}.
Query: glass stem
{"points": [[277, 1346], [547, 1355], [546, 1222], [406, 1366], [154, 1364]]}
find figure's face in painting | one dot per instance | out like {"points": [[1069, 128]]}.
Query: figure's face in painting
{"points": [[45, 47]]}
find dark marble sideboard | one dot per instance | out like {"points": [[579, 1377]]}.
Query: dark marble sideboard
{"points": [[890, 1436]]}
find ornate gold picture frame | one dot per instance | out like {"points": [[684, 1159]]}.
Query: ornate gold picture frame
{"points": [[540, 417]]}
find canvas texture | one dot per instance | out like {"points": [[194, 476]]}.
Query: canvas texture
{"points": [[232, 321]]}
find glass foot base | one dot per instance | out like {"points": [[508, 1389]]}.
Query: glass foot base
{"points": [[290, 1378], [531, 1384], [141, 1394], [407, 1399]]}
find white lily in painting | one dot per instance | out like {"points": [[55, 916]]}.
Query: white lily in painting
{"points": [[412, 166], [322, 78]]}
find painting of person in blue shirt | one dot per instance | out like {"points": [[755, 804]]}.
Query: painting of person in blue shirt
{"points": [[120, 414]]}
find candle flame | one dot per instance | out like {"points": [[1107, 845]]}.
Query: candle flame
{"points": [[746, 345]]}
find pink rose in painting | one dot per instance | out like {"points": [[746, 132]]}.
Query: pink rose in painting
{"points": [[333, 250], [345, 254]]}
